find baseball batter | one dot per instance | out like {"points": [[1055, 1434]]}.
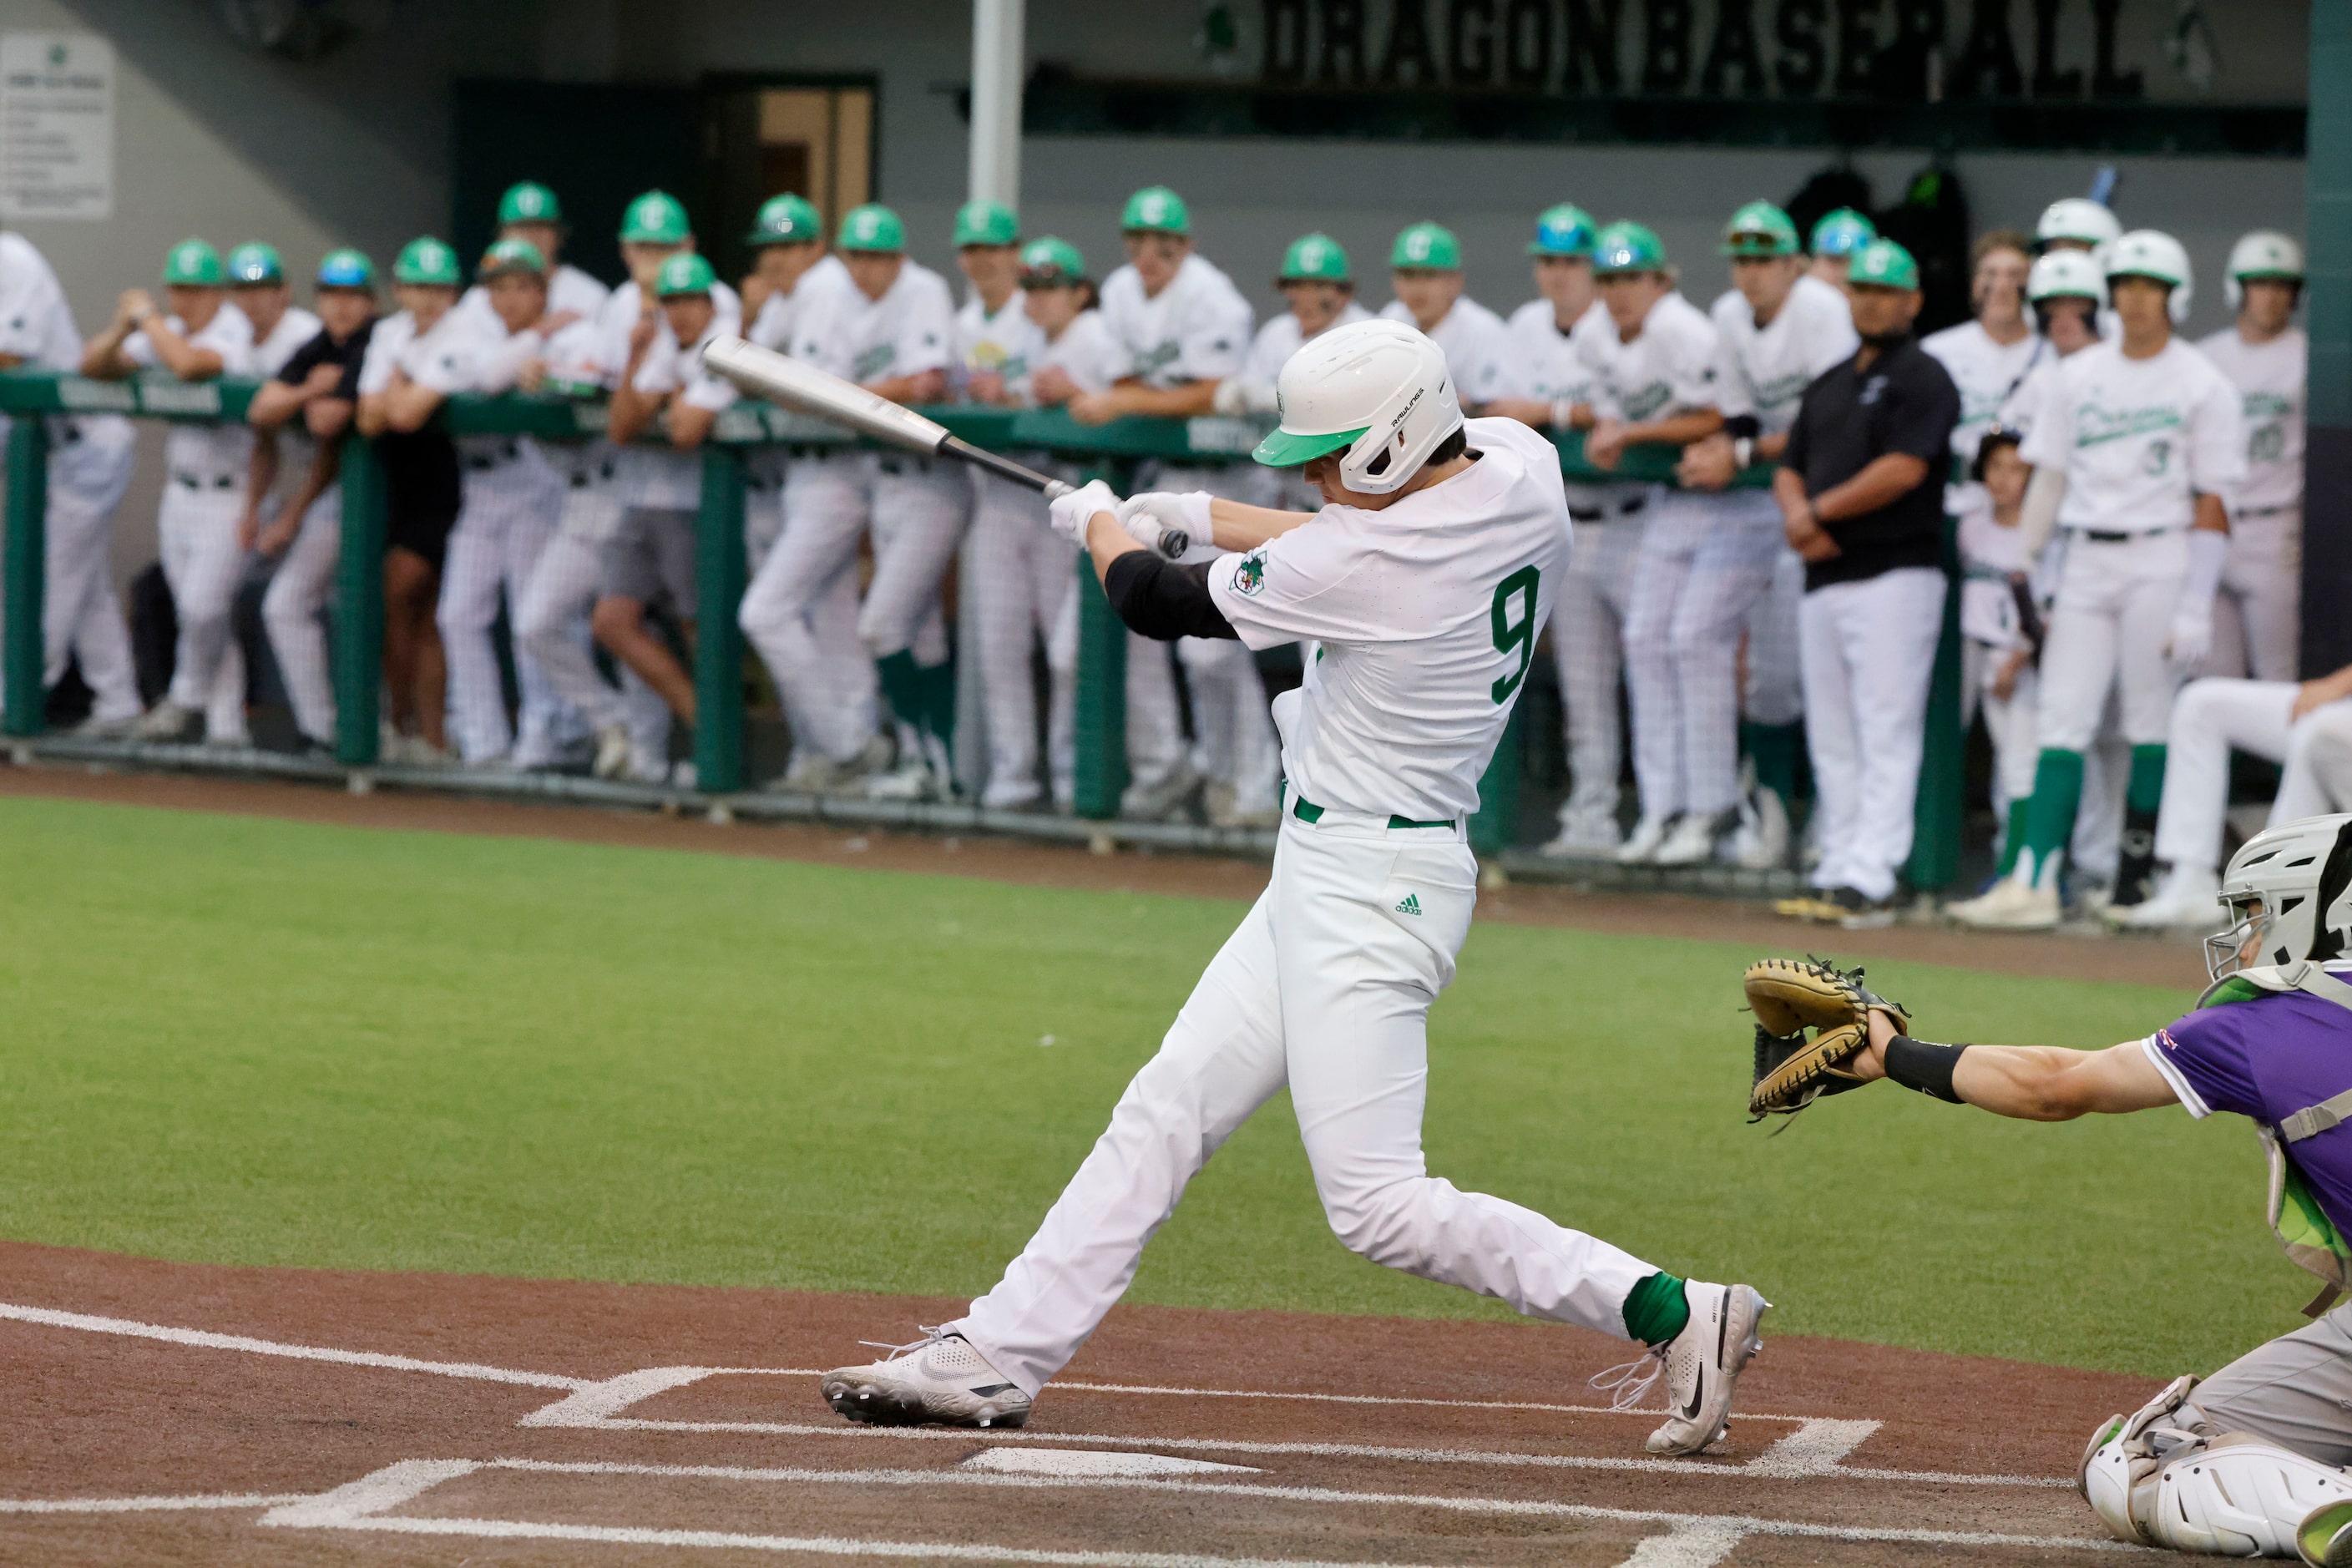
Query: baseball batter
{"points": [[2257, 617], [199, 338], [1550, 385], [1178, 327], [2134, 450], [1325, 988], [1656, 373]]}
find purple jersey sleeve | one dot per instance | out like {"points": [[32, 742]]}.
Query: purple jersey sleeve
{"points": [[2207, 1053]]}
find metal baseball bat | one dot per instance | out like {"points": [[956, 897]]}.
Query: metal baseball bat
{"points": [[763, 372]]}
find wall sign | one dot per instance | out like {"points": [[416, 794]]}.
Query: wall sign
{"points": [[57, 126]]}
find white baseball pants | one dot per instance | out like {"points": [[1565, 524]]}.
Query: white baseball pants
{"points": [[1774, 690], [1325, 988], [290, 611], [509, 515], [550, 624], [917, 508], [80, 615], [823, 672], [1704, 561], [2008, 720], [1588, 631], [196, 527], [1022, 573], [2215, 716], [2107, 630], [1869, 654], [2257, 615]]}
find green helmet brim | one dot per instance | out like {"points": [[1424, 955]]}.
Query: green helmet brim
{"points": [[1288, 449]]}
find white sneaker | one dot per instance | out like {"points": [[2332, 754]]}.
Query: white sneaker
{"points": [[1704, 1364], [1584, 835], [850, 778], [938, 1379], [1762, 841], [1158, 802], [612, 752], [911, 780], [119, 726], [1641, 849], [2013, 904], [2186, 897], [1694, 838], [167, 722]]}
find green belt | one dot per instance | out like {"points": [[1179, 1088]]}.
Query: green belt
{"points": [[1306, 810]]}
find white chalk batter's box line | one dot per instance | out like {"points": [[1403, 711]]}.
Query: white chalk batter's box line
{"points": [[1816, 1450], [1685, 1540]]}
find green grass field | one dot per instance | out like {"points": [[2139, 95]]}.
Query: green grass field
{"points": [[247, 1041]]}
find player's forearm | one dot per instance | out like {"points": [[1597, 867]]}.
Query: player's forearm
{"points": [[1237, 525], [261, 466], [181, 357], [408, 407], [690, 426], [632, 413], [1882, 482], [1168, 403], [1675, 429], [102, 359], [1107, 541], [924, 386], [1532, 411], [2212, 515], [273, 404]]}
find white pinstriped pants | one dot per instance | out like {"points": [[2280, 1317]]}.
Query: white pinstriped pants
{"points": [[196, 527], [552, 621], [290, 610], [82, 617], [1022, 575], [509, 514], [1588, 633]]}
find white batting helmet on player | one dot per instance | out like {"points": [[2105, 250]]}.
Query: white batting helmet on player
{"points": [[2152, 253], [2077, 219], [2289, 894], [1377, 389], [2263, 254], [2066, 275]]}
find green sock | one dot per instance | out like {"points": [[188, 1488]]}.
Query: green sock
{"points": [[938, 693], [902, 684], [1655, 1310], [2146, 791], [1774, 749], [2014, 839], [2049, 815]]}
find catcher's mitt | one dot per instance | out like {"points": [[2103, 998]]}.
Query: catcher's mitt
{"points": [[1788, 999]]}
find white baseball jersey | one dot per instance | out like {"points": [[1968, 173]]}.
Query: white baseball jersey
{"points": [[2138, 438], [37, 325], [1477, 347], [569, 290], [1281, 337], [205, 452], [1763, 372], [1428, 613], [672, 479], [1550, 364], [1670, 363], [908, 331], [1001, 344], [441, 359], [776, 325], [1987, 374], [2270, 381], [1195, 329]]}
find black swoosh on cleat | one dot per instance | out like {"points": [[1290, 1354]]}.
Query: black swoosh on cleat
{"points": [[986, 1390]]}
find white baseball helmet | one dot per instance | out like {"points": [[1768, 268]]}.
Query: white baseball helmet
{"points": [[2079, 219], [2264, 254], [2151, 253], [2066, 275], [2289, 894], [1377, 388]]}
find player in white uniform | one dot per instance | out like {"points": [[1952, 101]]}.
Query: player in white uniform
{"points": [[1778, 329], [1654, 372], [584, 360], [2257, 618], [1836, 236], [2134, 450], [1551, 386], [892, 332], [1426, 583], [1180, 328], [310, 397], [1425, 270], [513, 497], [1318, 286], [89, 468], [529, 213], [204, 493]]}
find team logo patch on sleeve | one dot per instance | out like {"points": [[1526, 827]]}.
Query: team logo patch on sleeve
{"points": [[1249, 573]]}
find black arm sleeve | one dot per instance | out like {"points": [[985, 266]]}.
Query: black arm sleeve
{"points": [[1743, 427], [1159, 599]]}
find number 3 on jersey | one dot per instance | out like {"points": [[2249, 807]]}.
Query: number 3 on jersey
{"points": [[1514, 634]]}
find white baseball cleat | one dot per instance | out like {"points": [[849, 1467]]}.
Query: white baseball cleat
{"points": [[167, 723], [1762, 842], [1641, 849], [1584, 835], [1695, 834], [612, 752], [1704, 1364], [2185, 898], [938, 1380], [2013, 904]]}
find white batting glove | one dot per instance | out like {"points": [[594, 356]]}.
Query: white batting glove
{"points": [[2191, 637], [1071, 513], [1169, 522]]}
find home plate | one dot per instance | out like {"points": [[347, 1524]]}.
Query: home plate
{"points": [[1094, 1464]]}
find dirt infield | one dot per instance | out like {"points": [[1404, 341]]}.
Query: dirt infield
{"points": [[172, 1412], [2176, 964]]}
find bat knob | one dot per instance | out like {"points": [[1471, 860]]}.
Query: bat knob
{"points": [[1056, 489]]}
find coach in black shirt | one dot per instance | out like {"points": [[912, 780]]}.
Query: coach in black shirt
{"points": [[1861, 488]]}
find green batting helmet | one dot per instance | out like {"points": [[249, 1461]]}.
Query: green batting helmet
{"points": [[254, 263], [512, 256], [1883, 264], [787, 220], [1047, 261], [685, 273], [193, 264], [1628, 246], [528, 201], [871, 227], [1156, 209], [1760, 228], [1841, 233], [1426, 246], [655, 218], [986, 223], [1564, 230], [1314, 258], [426, 260]]}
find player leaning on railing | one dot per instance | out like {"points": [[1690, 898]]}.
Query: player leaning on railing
{"points": [[1426, 579]]}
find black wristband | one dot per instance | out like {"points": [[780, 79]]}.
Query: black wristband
{"points": [[1924, 1065]]}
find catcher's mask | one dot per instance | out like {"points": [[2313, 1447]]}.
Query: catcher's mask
{"points": [[2288, 892]]}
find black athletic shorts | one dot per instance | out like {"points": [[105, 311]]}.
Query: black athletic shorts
{"points": [[422, 493]]}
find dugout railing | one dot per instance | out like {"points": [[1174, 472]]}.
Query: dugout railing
{"points": [[1116, 450]]}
